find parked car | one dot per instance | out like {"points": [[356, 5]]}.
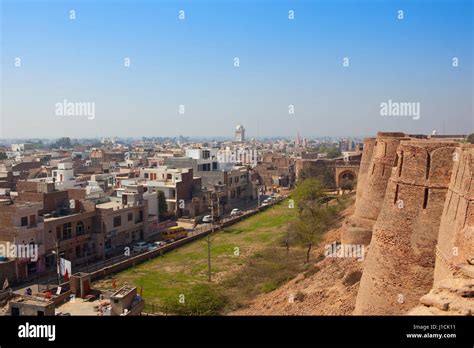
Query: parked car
{"points": [[266, 202], [156, 245], [152, 246], [140, 246], [235, 212], [207, 219]]}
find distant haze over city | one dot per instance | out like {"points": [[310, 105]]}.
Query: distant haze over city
{"points": [[321, 68]]}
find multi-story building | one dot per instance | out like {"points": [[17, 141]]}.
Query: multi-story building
{"points": [[122, 220], [179, 186], [238, 186], [21, 228], [201, 160], [63, 176], [276, 170], [69, 222]]}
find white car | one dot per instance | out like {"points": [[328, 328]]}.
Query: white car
{"points": [[155, 245], [140, 246], [152, 246], [207, 219], [235, 212], [266, 202]]}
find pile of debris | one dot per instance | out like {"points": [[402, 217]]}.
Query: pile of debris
{"points": [[451, 296]]}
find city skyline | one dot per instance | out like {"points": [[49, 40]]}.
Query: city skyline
{"points": [[255, 160], [181, 76]]}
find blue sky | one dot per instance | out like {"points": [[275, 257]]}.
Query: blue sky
{"points": [[190, 62]]}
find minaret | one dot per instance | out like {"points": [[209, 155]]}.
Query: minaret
{"points": [[240, 133]]}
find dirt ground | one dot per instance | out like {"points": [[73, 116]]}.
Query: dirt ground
{"points": [[331, 290]]}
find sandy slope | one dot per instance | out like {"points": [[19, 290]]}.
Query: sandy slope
{"points": [[329, 291]]}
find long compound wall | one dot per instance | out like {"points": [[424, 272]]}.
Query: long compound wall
{"points": [[456, 234], [365, 160], [376, 164], [399, 267]]}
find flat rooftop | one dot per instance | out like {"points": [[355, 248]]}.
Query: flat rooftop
{"points": [[122, 292], [109, 205], [33, 300], [78, 307]]}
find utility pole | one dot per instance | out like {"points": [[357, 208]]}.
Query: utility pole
{"points": [[209, 258], [58, 263], [209, 241]]}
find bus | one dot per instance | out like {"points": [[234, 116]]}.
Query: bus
{"points": [[174, 233]]}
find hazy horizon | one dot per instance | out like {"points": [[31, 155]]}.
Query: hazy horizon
{"points": [[190, 62]]}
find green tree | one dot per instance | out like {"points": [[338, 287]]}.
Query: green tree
{"points": [[315, 215], [323, 173], [162, 206], [347, 184], [3, 156], [64, 143], [307, 192], [333, 152], [313, 221]]}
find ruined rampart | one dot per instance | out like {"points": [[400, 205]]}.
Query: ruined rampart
{"points": [[399, 267]]}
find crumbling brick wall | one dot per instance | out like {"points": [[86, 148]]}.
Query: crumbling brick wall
{"points": [[372, 186], [399, 267], [456, 234]]}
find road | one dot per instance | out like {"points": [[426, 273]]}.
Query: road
{"points": [[51, 278]]}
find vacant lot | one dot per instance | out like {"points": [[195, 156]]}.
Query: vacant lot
{"points": [[247, 258]]}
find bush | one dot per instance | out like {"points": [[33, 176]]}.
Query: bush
{"points": [[200, 299], [265, 271], [268, 287], [299, 296]]}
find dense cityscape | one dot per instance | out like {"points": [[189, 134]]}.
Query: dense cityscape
{"points": [[95, 200], [241, 172]]}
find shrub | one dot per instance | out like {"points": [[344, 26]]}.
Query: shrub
{"points": [[299, 296], [200, 299]]}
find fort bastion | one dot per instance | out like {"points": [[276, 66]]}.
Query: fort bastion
{"points": [[376, 164]]}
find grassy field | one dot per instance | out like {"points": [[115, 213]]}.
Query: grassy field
{"points": [[247, 259]]}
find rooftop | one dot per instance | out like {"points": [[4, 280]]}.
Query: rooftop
{"points": [[122, 292]]}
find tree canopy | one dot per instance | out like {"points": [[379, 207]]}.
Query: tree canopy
{"points": [[307, 191], [163, 213]]}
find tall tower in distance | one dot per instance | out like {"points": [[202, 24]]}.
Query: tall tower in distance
{"points": [[240, 133]]}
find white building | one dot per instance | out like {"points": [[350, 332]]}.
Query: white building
{"points": [[240, 133], [64, 172], [63, 177]]}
